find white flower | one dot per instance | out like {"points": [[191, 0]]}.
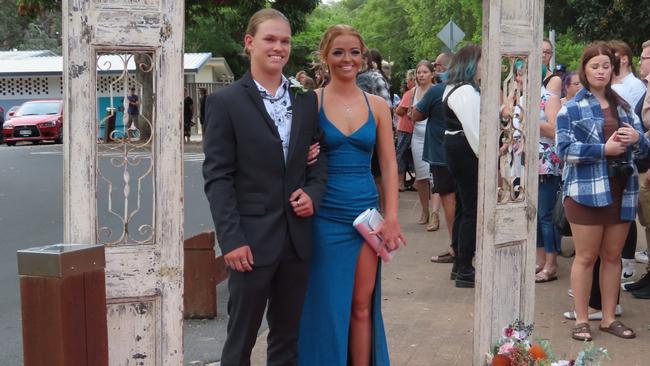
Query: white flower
{"points": [[561, 363]]}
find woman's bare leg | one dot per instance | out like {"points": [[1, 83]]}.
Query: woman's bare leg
{"points": [[587, 240], [610, 268], [448, 201], [361, 317], [422, 187]]}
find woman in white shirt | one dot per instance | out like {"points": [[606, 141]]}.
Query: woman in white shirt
{"points": [[461, 103]]}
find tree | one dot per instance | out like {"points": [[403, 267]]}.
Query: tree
{"points": [[12, 26], [218, 26], [304, 44], [215, 26], [588, 20], [423, 25]]}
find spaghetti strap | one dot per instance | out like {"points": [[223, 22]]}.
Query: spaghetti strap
{"points": [[322, 100], [367, 102]]}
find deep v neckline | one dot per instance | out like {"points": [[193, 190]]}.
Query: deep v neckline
{"points": [[322, 110], [341, 132]]}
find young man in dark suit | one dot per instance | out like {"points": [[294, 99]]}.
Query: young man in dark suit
{"points": [[262, 192]]}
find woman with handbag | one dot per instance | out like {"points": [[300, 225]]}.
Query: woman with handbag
{"points": [[341, 320], [598, 135]]}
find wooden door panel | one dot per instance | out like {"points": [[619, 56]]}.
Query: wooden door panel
{"points": [[136, 169], [507, 197]]}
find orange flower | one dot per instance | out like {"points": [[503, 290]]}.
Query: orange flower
{"points": [[537, 352], [500, 360]]}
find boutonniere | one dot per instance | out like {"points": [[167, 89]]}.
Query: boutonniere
{"points": [[297, 87]]}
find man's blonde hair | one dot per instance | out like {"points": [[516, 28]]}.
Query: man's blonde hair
{"points": [[260, 17]]}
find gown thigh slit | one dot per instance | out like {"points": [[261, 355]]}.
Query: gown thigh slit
{"points": [[325, 322]]}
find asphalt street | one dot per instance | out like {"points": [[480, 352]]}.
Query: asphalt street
{"points": [[31, 215]]}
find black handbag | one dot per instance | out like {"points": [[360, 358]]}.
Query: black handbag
{"points": [[559, 218]]}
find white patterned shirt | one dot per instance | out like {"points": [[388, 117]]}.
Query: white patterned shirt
{"points": [[279, 108]]}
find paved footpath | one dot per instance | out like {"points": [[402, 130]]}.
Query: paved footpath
{"points": [[429, 322]]}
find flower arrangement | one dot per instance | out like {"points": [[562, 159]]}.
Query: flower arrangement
{"points": [[515, 348]]}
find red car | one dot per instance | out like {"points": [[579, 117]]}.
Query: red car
{"points": [[35, 121]]}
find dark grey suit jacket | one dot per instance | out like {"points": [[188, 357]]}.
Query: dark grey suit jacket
{"points": [[247, 181]]}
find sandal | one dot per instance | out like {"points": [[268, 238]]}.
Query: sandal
{"points": [[545, 276], [538, 268], [582, 332], [424, 218], [445, 257], [618, 329]]}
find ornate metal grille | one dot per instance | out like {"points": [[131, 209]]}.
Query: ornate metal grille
{"points": [[512, 138], [125, 154]]}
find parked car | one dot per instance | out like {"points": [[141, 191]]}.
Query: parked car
{"points": [[35, 121], [11, 112], [2, 122]]}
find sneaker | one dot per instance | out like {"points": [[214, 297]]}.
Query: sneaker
{"points": [[598, 315], [641, 283], [627, 270], [642, 256]]}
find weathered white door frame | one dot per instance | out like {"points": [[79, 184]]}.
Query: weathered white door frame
{"points": [[144, 278], [507, 222]]}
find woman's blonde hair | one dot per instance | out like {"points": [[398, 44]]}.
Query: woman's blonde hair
{"points": [[332, 33], [260, 17], [410, 74]]}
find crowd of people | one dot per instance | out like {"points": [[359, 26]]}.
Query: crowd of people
{"points": [[349, 145]]}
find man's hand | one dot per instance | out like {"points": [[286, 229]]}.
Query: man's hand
{"points": [[240, 259], [301, 203]]}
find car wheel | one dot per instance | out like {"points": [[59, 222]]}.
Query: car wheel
{"points": [[59, 140], [11, 143]]}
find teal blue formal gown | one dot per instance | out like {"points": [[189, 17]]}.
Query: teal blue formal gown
{"points": [[351, 189]]}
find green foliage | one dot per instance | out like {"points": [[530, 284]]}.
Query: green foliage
{"points": [[218, 26], [304, 44], [11, 25], [627, 20], [427, 17], [41, 30], [219, 30], [568, 51], [384, 26]]}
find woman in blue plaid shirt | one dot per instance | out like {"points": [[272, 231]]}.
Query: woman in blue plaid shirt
{"points": [[598, 135]]}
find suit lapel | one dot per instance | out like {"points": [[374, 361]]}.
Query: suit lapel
{"points": [[295, 122], [254, 94]]}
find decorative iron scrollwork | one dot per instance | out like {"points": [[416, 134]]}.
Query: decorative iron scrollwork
{"points": [[125, 155], [512, 138]]}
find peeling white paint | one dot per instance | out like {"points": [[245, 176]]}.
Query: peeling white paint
{"points": [[143, 282]]}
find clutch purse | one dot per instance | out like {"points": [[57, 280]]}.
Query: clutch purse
{"points": [[367, 222]]}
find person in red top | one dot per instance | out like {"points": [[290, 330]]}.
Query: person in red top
{"points": [[405, 130]]}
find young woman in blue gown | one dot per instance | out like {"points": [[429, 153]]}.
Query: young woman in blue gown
{"points": [[341, 321]]}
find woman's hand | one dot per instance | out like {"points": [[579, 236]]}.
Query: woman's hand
{"points": [[391, 233], [312, 155], [614, 146], [627, 135]]}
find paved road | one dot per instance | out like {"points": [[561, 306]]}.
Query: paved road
{"points": [[31, 214]]}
